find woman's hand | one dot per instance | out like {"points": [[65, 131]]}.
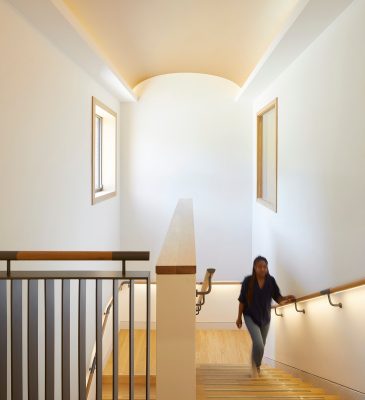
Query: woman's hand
{"points": [[287, 299], [239, 322]]}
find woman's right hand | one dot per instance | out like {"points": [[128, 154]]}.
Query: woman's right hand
{"points": [[239, 323]]}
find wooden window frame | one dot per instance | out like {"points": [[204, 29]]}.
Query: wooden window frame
{"points": [[270, 106], [99, 161], [104, 194]]}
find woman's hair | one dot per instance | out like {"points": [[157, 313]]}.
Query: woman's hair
{"points": [[254, 278]]}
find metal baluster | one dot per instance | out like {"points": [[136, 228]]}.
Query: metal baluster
{"points": [[66, 339], [148, 336], [115, 338], [3, 339], [82, 339], [16, 340], [33, 391], [131, 340], [99, 339], [50, 338]]}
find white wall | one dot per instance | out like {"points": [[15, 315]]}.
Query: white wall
{"points": [[186, 138], [316, 240], [45, 156], [219, 311]]}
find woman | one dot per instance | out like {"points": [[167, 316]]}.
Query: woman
{"points": [[255, 304]]}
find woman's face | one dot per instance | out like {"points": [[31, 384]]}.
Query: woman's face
{"points": [[261, 269]]}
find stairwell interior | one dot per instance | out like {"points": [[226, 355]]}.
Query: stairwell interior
{"points": [[181, 135]]}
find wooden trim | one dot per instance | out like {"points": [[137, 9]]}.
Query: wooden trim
{"points": [[259, 117], [97, 102], [175, 270], [108, 194], [74, 255], [266, 204], [268, 107], [259, 158], [102, 197]]}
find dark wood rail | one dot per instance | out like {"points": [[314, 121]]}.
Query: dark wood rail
{"points": [[74, 255]]}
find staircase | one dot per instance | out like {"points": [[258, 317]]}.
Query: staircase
{"points": [[222, 371], [229, 382], [224, 381]]}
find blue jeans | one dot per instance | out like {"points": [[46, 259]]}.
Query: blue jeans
{"points": [[258, 335]]}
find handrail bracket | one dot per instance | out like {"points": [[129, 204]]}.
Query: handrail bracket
{"points": [[328, 293], [276, 313], [296, 308]]}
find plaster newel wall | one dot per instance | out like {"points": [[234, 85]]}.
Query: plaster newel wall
{"points": [[175, 309]]}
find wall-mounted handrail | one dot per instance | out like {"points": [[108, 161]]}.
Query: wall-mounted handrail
{"points": [[204, 290], [325, 292]]}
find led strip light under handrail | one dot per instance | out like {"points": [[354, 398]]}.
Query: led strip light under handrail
{"points": [[328, 292]]}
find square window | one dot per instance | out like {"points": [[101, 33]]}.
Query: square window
{"points": [[267, 136], [104, 151]]}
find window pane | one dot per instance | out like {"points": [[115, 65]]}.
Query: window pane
{"points": [[98, 153], [104, 152], [269, 156]]}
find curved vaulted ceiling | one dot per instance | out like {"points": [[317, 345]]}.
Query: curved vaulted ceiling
{"points": [[145, 38]]}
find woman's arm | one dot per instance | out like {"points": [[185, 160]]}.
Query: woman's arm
{"points": [[276, 295], [241, 308]]}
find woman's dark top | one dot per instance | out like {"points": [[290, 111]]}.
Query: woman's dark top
{"points": [[259, 309]]}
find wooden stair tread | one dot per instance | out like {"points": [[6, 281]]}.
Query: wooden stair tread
{"points": [[235, 382]]}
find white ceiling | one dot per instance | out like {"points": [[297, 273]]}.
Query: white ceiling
{"points": [[145, 38]]}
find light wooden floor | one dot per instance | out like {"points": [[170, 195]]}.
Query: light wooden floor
{"points": [[223, 347], [223, 371], [212, 347], [139, 355]]}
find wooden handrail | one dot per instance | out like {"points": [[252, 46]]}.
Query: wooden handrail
{"points": [[205, 287], [74, 255], [340, 288]]}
